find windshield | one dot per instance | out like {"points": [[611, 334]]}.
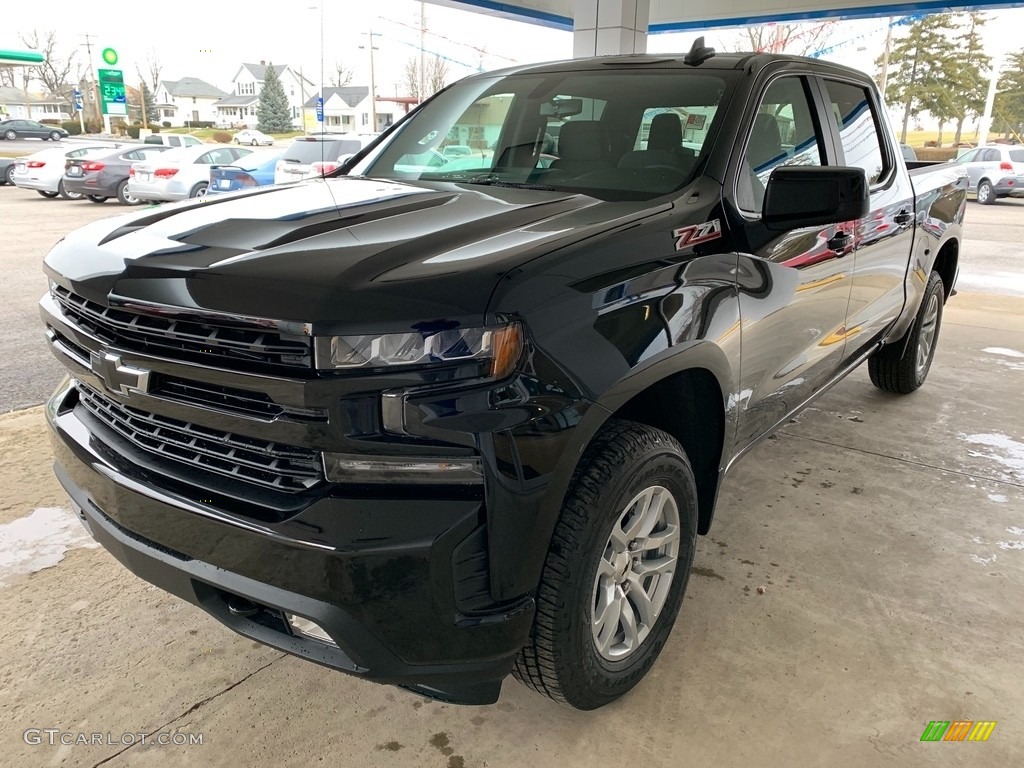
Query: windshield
{"points": [[612, 134]]}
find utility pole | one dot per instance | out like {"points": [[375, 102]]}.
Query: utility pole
{"points": [[302, 91], [373, 85], [92, 74], [884, 79], [423, 69], [986, 118]]}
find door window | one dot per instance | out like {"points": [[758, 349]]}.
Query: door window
{"points": [[968, 157], [858, 129], [784, 132]]}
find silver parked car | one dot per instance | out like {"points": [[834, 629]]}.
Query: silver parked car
{"points": [[995, 170]]}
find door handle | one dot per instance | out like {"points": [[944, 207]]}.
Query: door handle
{"points": [[839, 243], [903, 218]]}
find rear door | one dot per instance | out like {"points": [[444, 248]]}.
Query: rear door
{"points": [[884, 239], [794, 285]]}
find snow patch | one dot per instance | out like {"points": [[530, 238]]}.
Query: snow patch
{"points": [[39, 541]]}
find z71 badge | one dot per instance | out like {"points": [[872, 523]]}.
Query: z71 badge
{"points": [[697, 233]]}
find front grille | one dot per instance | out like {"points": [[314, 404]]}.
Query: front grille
{"points": [[186, 338], [245, 402], [259, 462]]}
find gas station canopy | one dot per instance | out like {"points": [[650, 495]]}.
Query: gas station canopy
{"points": [[677, 16]]}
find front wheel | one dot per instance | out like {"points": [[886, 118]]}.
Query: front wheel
{"points": [[986, 194], [54, 136], [254, 143], [616, 569], [97, 199], [903, 366], [50, 195]]}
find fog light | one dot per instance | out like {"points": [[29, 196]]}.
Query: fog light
{"points": [[306, 628], [348, 468]]}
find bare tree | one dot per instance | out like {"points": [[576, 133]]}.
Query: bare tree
{"points": [[55, 72], [411, 77], [342, 75], [7, 77], [437, 74], [797, 39], [153, 69]]}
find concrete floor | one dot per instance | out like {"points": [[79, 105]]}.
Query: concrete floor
{"points": [[888, 533]]}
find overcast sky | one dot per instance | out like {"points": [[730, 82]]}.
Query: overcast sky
{"points": [[210, 42]]}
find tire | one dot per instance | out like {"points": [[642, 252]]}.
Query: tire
{"points": [[902, 367], [254, 143], [55, 136], [50, 195], [569, 658], [238, 142], [198, 190], [10, 135], [96, 198], [65, 195], [9, 175], [124, 197], [986, 194]]}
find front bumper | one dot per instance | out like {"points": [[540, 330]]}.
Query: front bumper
{"points": [[377, 574]]}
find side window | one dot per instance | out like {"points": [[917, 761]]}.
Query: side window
{"points": [[968, 157], [784, 132], [217, 157], [858, 129], [174, 141], [991, 156]]}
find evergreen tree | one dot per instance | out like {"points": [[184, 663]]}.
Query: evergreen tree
{"points": [[969, 86], [1008, 112], [919, 64], [148, 104], [275, 116]]}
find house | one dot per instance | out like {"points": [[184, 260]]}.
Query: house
{"points": [[238, 110], [188, 100], [14, 102], [347, 110]]}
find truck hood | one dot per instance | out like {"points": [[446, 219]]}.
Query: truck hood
{"points": [[351, 253]]}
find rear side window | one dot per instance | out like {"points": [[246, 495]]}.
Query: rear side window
{"points": [[1017, 155], [858, 129]]}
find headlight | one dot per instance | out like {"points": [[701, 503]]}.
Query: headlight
{"points": [[501, 345]]}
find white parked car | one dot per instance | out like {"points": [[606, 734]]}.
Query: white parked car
{"points": [[254, 138], [44, 171], [317, 155], [178, 174]]}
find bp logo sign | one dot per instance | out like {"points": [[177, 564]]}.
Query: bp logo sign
{"points": [[109, 56]]}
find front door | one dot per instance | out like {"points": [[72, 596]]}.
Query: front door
{"points": [[794, 286]]}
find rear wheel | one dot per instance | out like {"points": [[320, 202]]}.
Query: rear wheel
{"points": [[198, 190], [986, 194], [9, 175], [902, 367], [10, 135], [65, 195], [616, 569], [124, 197], [97, 199], [50, 195]]}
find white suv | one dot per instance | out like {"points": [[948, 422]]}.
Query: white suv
{"points": [[173, 140], [317, 155]]}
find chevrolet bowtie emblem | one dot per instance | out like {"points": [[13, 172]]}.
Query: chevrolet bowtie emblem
{"points": [[116, 375]]}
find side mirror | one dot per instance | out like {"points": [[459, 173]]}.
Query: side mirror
{"points": [[811, 196]]}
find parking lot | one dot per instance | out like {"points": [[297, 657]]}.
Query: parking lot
{"points": [[887, 534]]}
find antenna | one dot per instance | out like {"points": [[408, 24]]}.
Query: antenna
{"points": [[699, 53]]}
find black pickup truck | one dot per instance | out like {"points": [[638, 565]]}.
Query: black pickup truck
{"points": [[440, 417]]}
